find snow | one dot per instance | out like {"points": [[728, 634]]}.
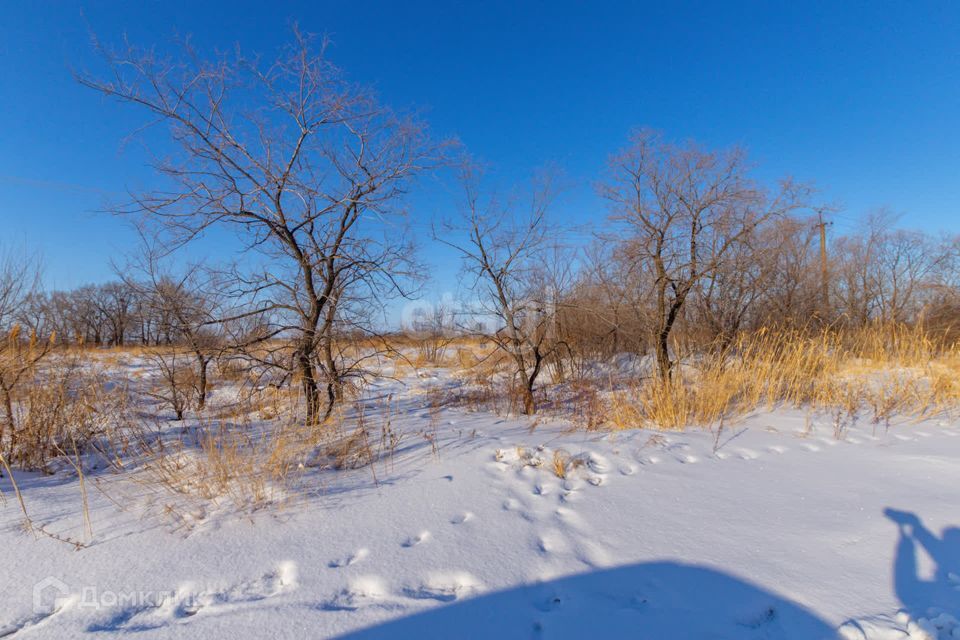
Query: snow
{"points": [[774, 530]]}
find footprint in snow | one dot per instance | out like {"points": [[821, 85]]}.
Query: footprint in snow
{"points": [[180, 606], [444, 586], [550, 603], [597, 463], [527, 472], [466, 516], [762, 618], [593, 555], [420, 538], [545, 543], [362, 591], [351, 559], [569, 518], [628, 470], [777, 449], [26, 622], [811, 447], [511, 504], [552, 541]]}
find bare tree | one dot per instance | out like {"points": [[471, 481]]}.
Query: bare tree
{"points": [[19, 353], [306, 167], [176, 381], [433, 329], [887, 274], [789, 283], [189, 305], [504, 254], [606, 313], [689, 211], [114, 301], [942, 310], [721, 300], [908, 262]]}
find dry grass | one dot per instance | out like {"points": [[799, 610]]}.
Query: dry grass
{"points": [[62, 408], [884, 370], [245, 463], [227, 463], [251, 449], [247, 452], [560, 461], [59, 411]]}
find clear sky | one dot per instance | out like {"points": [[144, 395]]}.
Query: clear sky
{"points": [[861, 98]]}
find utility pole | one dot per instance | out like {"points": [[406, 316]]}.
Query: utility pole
{"points": [[824, 268]]}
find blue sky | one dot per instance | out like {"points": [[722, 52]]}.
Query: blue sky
{"points": [[863, 99]]}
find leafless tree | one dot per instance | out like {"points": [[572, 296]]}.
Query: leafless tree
{"points": [[942, 310], [309, 170], [190, 303], [433, 328], [908, 261], [888, 274], [114, 301], [176, 381], [722, 300], [689, 211], [789, 286], [503, 253], [605, 313], [20, 353]]}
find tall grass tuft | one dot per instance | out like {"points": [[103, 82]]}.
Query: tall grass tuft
{"points": [[883, 369]]}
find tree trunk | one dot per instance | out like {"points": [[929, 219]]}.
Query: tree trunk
{"points": [[308, 383], [529, 404], [663, 355], [202, 363], [526, 387], [334, 383], [668, 319], [8, 422]]}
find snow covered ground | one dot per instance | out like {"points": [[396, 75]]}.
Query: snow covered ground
{"points": [[776, 529]]}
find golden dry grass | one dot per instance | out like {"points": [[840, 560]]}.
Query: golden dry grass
{"points": [[886, 370], [228, 463], [251, 449]]}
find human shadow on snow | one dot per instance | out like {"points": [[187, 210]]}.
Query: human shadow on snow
{"points": [[655, 600], [940, 592]]}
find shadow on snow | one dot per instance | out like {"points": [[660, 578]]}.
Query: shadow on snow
{"points": [[659, 600], [656, 600]]}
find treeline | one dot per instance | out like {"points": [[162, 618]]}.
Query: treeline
{"points": [[112, 314], [779, 277], [877, 274]]}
